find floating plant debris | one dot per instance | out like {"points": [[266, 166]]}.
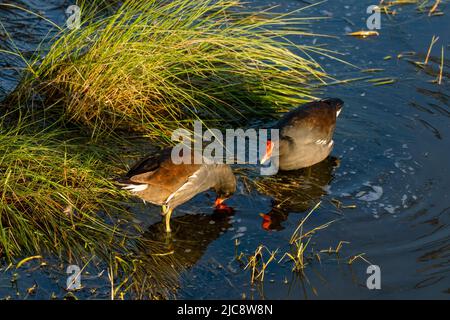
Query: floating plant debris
{"points": [[363, 34]]}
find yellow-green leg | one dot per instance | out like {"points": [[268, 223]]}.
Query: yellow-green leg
{"points": [[308, 172], [167, 212]]}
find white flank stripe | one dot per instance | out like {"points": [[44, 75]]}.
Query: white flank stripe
{"points": [[136, 187], [187, 185]]}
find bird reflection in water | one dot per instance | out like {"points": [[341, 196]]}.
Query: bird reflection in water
{"points": [[295, 191], [161, 257], [192, 233]]}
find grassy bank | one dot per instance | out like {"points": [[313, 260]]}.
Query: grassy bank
{"points": [[154, 66], [52, 191]]}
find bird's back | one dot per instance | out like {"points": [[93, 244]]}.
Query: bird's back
{"points": [[161, 175], [308, 122]]}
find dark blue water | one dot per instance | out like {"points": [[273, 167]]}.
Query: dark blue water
{"points": [[392, 142]]}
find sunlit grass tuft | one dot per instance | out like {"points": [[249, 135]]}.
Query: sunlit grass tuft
{"points": [[55, 193], [156, 65]]}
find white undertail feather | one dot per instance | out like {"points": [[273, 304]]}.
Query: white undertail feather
{"points": [[135, 187], [338, 113], [321, 142]]}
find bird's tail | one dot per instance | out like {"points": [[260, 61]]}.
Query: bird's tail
{"points": [[127, 184]]}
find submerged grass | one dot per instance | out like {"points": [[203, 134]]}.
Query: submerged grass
{"points": [[257, 264], [154, 66], [297, 254], [429, 7], [300, 241]]}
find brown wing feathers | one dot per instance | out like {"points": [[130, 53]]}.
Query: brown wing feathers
{"points": [[161, 173]]}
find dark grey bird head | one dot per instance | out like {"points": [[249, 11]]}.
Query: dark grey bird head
{"points": [[225, 186]]}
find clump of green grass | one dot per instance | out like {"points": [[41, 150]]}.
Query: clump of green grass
{"points": [[156, 65], [56, 194]]}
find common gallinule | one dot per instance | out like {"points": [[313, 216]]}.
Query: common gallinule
{"points": [[158, 180], [306, 135]]}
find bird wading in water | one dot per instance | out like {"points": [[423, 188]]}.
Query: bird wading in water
{"points": [[156, 179], [305, 135]]}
